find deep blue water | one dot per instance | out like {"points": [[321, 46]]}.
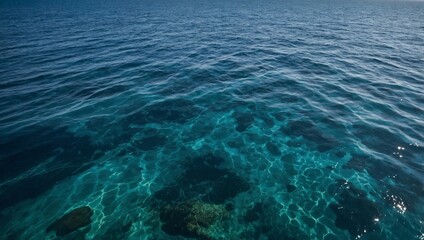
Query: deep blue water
{"points": [[212, 119]]}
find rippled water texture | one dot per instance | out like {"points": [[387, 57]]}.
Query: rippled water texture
{"points": [[211, 120]]}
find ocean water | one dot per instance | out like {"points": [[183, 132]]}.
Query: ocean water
{"points": [[233, 119]]}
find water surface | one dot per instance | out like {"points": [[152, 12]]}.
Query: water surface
{"points": [[212, 119]]}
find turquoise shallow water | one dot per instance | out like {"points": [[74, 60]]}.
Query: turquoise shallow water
{"points": [[212, 120]]}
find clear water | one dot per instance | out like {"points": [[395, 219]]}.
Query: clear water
{"points": [[290, 120]]}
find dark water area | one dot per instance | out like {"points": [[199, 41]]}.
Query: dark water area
{"points": [[211, 120]]}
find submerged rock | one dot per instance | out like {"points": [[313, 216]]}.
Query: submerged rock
{"points": [[289, 158], [151, 142], [309, 131], [191, 219], [226, 188], [254, 214], [204, 168], [340, 154], [357, 162], [354, 211], [71, 221], [273, 149], [203, 178], [168, 194], [224, 183], [244, 121], [405, 190], [290, 188], [180, 209], [117, 230], [69, 154]]}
